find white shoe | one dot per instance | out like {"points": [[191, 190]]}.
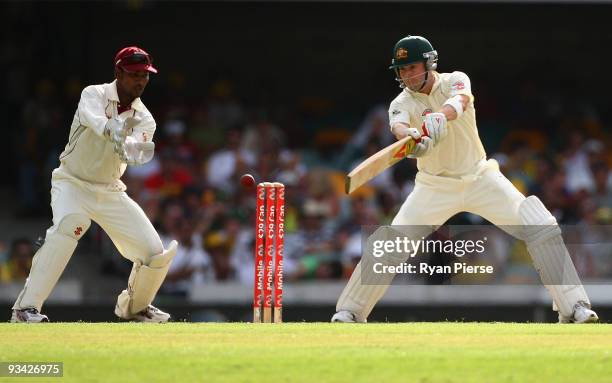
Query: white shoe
{"points": [[150, 314], [345, 316], [30, 315], [582, 314]]}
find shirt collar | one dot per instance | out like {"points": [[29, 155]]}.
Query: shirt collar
{"points": [[110, 91], [137, 105]]}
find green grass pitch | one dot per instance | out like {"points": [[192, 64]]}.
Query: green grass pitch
{"points": [[314, 352]]}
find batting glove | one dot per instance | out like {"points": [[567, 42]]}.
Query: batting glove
{"points": [[434, 126], [422, 148]]}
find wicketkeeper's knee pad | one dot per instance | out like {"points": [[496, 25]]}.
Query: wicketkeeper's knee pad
{"points": [[144, 282], [51, 259], [550, 256]]}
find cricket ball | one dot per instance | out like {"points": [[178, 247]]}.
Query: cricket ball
{"points": [[247, 181]]}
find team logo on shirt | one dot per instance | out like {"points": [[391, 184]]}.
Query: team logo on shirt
{"points": [[78, 231], [426, 112], [401, 53], [459, 85]]}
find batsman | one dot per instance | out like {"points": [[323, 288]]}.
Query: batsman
{"points": [[111, 129], [437, 111]]}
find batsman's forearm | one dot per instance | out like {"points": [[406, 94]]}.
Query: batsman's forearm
{"points": [[460, 101], [400, 130], [449, 112]]}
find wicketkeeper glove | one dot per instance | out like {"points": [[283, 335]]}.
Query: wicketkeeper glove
{"points": [[114, 131], [138, 153], [117, 131]]}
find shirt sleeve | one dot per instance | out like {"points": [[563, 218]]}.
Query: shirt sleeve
{"points": [[460, 84], [91, 110], [397, 113]]}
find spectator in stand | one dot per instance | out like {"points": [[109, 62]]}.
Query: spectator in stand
{"points": [[556, 197], [36, 141], [241, 255], [373, 129], [602, 195], [311, 251], [3, 254], [225, 164], [171, 179], [176, 140], [4, 257], [291, 168], [260, 134], [350, 233], [544, 167], [320, 193], [218, 246], [17, 267], [576, 164], [189, 266], [223, 109], [388, 206]]}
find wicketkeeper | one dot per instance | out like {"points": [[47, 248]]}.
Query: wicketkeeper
{"points": [[111, 129]]}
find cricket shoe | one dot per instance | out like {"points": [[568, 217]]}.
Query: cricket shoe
{"points": [[582, 314], [150, 314], [30, 315], [345, 316]]}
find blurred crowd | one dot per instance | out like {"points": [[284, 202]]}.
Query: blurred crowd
{"points": [[191, 190]]}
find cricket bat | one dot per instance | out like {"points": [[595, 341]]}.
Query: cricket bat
{"points": [[378, 163]]}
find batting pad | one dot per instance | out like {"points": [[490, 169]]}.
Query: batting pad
{"points": [[50, 260], [365, 287], [359, 298], [144, 282], [550, 256]]}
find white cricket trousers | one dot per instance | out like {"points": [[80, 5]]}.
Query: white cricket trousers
{"points": [[487, 193], [74, 204], [492, 196]]}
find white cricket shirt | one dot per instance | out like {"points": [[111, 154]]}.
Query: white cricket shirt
{"points": [[461, 150], [89, 156]]}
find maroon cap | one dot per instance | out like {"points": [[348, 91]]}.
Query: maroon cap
{"points": [[134, 59]]}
